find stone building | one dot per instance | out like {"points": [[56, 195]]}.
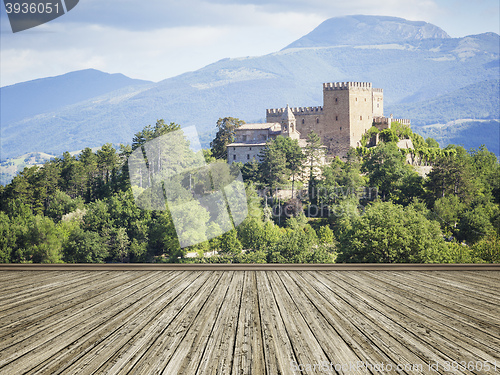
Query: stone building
{"points": [[250, 139], [349, 110]]}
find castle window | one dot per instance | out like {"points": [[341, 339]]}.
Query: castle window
{"points": [[303, 121], [244, 138], [234, 148], [234, 157], [378, 105], [336, 118], [317, 120], [248, 156], [361, 117], [249, 149], [341, 128], [356, 99], [336, 100]]}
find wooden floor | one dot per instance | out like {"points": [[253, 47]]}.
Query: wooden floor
{"points": [[249, 322]]}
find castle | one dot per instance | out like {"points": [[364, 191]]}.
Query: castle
{"points": [[349, 110]]}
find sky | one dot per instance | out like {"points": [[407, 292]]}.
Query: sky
{"points": [[158, 39]]}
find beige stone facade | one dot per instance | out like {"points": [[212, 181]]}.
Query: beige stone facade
{"points": [[349, 110], [250, 139]]}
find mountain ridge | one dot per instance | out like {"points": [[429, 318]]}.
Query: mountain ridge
{"points": [[410, 71], [368, 29]]}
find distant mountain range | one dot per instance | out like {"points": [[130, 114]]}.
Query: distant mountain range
{"points": [[426, 76]]}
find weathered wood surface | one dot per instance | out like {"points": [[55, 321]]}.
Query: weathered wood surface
{"points": [[249, 322]]}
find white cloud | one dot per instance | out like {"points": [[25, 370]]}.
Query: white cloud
{"points": [[158, 39]]}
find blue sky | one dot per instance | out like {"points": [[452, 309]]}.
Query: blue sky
{"points": [[158, 39]]}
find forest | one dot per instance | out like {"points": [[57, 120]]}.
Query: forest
{"points": [[371, 207]]}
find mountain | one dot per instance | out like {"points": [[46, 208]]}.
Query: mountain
{"points": [[421, 69], [362, 30], [44, 95]]}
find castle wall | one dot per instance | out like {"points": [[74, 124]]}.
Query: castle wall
{"points": [[307, 118], [378, 102], [360, 111], [336, 107], [243, 153], [349, 110]]}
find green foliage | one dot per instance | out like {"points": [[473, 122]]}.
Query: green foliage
{"points": [[225, 135], [389, 233], [325, 235], [402, 131], [40, 205], [431, 142], [85, 247], [487, 249], [475, 224], [388, 171], [230, 244], [365, 138], [62, 204], [149, 132], [44, 241], [388, 136], [273, 166]]}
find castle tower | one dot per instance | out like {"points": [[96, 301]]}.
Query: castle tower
{"points": [[289, 124], [349, 110]]}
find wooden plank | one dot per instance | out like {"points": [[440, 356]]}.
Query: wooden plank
{"points": [[121, 340], [306, 347], [218, 354], [249, 346], [160, 350], [458, 305], [278, 351], [33, 304], [248, 322], [330, 338], [384, 335], [54, 333], [188, 354], [428, 328], [424, 305]]}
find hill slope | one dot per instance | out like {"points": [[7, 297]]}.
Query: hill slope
{"points": [[44, 95]]}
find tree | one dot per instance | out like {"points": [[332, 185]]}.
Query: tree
{"points": [[62, 204], [314, 155], [7, 238], [293, 155], [452, 174], [386, 168], [388, 136], [273, 168], [475, 224], [431, 142], [229, 244], [149, 132], [225, 135], [45, 241], [389, 233], [84, 247]]}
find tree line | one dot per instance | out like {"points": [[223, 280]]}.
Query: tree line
{"points": [[81, 208]]}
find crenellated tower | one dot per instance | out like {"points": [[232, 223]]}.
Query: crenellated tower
{"points": [[348, 111]]}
